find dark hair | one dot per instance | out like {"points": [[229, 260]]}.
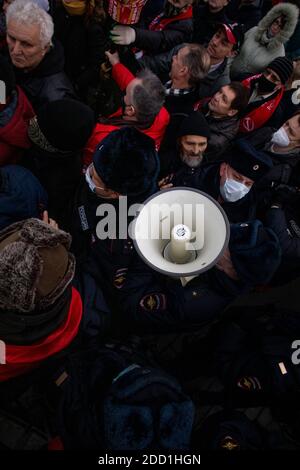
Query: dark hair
{"points": [[148, 97], [198, 62], [240, 101]]}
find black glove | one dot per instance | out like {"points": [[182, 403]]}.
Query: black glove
{"points": [[284, 194]]}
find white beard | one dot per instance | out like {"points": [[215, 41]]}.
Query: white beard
{"points": [[191, 161]]}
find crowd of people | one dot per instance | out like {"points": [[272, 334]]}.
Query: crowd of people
{"points": [[106, 99]]}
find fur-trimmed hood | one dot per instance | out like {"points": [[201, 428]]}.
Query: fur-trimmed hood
{"points": [[291, 12]]}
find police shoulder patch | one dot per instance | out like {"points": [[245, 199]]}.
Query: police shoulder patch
{"points": [[120, 278], [249, 383], [153, 302], [229, 443]]}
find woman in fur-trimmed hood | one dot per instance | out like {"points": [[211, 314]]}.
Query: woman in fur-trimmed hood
{"points": [[265, 42]]}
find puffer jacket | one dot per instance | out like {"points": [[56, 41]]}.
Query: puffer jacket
{"points": [[258, 50]]}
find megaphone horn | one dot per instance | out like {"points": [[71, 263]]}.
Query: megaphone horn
{"points": [[181, 232]]}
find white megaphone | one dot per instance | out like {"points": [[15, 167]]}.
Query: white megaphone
{"points": [[180, 232]]}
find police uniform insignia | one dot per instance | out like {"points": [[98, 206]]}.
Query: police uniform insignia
{"points": [[151, 302], [120, 278], [249, 383], [228, 443], [127, 247], [83, 218]]}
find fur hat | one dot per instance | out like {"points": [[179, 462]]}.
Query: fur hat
{"points": [[35, 266], [248, 161], [255, 252], [127, 162], [65, 124]]}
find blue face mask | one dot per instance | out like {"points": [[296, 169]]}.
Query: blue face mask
{"points": [[233, 190]]}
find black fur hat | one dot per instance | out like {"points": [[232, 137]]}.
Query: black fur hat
{"points": [[248, 161], [127, 162]]}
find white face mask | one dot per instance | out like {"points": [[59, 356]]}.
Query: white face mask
{"points": [[232, 190], [281, 138], [91, 183]]}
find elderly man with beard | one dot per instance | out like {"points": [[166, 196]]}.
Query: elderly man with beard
{"points": [[192, 141]]}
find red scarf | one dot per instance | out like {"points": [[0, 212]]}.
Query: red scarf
{"points": [[260, 115], [159, 23], [21, 359]]}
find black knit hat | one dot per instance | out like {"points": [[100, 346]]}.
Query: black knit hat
{"points": [[7, 76], [66, 124], [283, 67], [194, 124], [127, 162], [248, 161]]}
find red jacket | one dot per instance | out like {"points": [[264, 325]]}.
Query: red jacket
{"points": [[13, 136], [123, 77]]}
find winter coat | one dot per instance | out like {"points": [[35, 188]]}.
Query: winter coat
{"points": [[59, 173], [13, 135], [214, 80], [84, 44], [162, 38], [285, 222], [154, 303], [222, 132], [260, 112], [183, 104], [292, 48], [48, 81], [257, 50], [161, 66], [123, 77], [247, 14], [205, 23]]}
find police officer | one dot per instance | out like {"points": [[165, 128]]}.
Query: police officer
{"points": [[152, 302]]}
